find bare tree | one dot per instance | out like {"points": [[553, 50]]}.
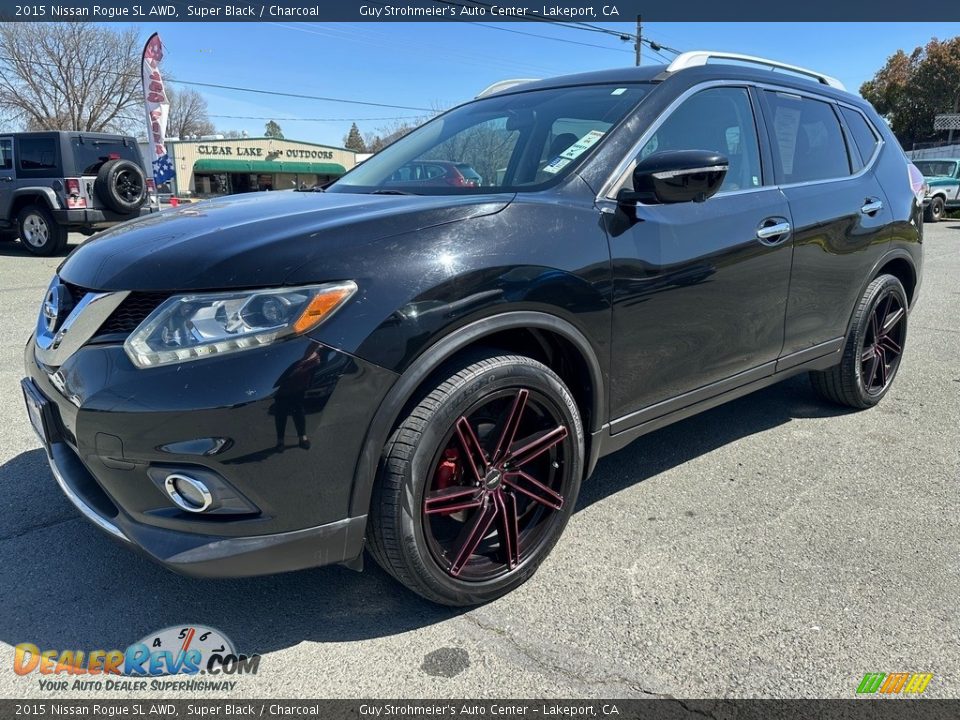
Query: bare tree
{"points": [[70, 76], [188, 114]]}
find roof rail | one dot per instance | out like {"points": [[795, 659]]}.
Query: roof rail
{"points": [[695, 58], [503, 85]]}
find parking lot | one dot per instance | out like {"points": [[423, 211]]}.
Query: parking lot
{"points": [[772, 547]]}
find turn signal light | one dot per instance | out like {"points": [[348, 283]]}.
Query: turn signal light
{"points": [[322, 305]]}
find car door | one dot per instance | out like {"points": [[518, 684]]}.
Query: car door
{"points": [[6, 179], [839, 213], [699, 288]]}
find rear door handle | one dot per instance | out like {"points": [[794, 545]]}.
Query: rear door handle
{"points": [[773, 231], [872, 207]]}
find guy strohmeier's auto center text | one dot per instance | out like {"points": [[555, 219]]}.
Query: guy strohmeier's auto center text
{"points": [[68, 11]]}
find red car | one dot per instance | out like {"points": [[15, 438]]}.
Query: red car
{"points": [[436, 172]]}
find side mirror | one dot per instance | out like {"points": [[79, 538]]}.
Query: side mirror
{"points": [[676, 176]]}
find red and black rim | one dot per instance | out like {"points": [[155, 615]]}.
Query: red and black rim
{"points": [[883, 343], [497, 485]]}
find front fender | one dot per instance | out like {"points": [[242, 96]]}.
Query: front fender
{"points": [[436, 354]]}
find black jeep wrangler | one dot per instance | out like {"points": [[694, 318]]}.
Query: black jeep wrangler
{"points": [[55, 182]]}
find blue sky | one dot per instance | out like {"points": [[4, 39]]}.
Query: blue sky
{"points": [[435, 65]]}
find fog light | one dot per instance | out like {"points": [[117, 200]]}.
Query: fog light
{"points": [[188, 493]]}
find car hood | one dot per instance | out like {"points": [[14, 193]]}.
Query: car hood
{"points": [[255, 240], [937, 180]]}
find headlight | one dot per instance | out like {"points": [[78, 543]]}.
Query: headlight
{"points": [[188, 327]]}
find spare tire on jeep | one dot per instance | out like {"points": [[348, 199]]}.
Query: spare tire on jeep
{"points": [[121, 186]]}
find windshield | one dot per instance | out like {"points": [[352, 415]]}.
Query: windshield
{"points": [[936, 168], [520, 142]]}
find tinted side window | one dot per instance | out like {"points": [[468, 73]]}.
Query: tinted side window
{"points": [[863, 136], [807, 139], [6, 154], [38, 154], [717, 119]]}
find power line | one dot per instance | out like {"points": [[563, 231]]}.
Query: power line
{"points": [[548, 37], [259, 91]]}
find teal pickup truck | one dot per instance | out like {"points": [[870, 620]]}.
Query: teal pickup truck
{"points": [[943, 186]]}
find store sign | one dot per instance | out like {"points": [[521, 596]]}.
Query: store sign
{"points": [[257, 152], [227, 150], [312, 154]]}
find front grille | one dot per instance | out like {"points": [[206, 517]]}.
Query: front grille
{"points": [[76, 293], [132, 311]]}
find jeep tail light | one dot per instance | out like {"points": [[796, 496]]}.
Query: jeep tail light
{"points": [[72, 186], [151, 185]]}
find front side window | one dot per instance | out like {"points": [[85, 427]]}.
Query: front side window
{"points": [[6, 154], [38, 154], [516, 143], [808, 140], [720, 120]]}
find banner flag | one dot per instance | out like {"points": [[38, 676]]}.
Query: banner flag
{"points": [[158, 108]]}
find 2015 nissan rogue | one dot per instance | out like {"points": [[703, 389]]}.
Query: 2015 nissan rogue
{"points": [[270, 382]]}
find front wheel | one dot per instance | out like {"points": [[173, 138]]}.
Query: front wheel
{"points": [[872, 354], [934, 211], [478, 480]]}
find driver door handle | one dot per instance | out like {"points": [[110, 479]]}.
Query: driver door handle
{"points": [[773, 231]]}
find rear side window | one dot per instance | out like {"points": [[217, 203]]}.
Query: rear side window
{"points": [[38, 154], [863, 135], [6, 154], [90, 154], [717, 119], [807, 139]]}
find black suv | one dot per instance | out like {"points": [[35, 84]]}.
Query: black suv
{"points": [[264, 383], [55, 182]]}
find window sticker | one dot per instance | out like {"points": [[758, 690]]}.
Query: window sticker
{"points": [[619, 91], [582, 145], [556, 165], [786, 128]]}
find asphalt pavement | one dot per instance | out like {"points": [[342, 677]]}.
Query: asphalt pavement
{"points": [[773, 547]]}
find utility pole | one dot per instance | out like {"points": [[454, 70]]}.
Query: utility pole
{"points": [[638, 43]]}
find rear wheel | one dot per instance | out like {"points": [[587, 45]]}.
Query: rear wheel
{"points": [[478, 480], [39, 232], [934, 211], [874, 348]]}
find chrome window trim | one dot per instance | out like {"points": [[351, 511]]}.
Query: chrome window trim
{"points": [[616, 179]]}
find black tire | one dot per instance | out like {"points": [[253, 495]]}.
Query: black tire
{"points": [[935, 210], [401, 532], [39, 232], [871, 356], [121, 186]]}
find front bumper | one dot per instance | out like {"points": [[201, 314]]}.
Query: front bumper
{"points": [[116, 429]]}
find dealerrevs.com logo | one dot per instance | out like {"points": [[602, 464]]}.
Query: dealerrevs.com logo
{"points": [[192, 650]]}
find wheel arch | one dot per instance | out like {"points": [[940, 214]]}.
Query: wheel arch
{"points": [[541, 335], [897, 262], [22, 197]]}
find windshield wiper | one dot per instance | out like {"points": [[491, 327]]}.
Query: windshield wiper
{"points": [[383, 191]]}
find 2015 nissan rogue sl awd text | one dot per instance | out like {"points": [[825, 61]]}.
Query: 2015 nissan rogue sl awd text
{"points": [[270, 382]]}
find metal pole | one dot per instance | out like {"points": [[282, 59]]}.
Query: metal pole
{"points": [[638, 44]]}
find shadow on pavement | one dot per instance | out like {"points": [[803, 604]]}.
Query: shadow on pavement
{"points": [[68, 586]]}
